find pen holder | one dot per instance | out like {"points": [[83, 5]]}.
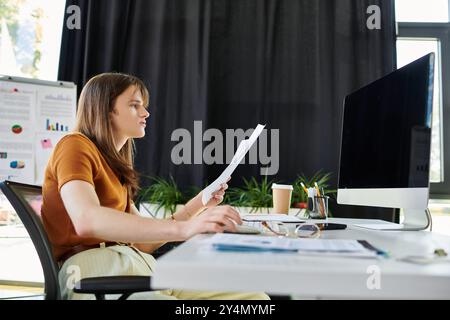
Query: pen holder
{"points": [[318, 207]]}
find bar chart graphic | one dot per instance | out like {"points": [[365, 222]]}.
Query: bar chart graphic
{"points": [[56, 126]]}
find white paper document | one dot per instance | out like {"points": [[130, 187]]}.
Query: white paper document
{"points": [[44, 144], [278, 217], [378, 226], [17, 161], [33, 117], [241, 151], [249, 243], [56, 109]]}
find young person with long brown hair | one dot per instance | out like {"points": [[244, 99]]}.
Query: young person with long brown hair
{"points": [[89, 184]]}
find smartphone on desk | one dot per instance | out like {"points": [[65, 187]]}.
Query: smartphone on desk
{"points": [[325, 225], [331, 226]]}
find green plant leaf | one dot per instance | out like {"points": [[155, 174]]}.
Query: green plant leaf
{"points": [[253, 194], [322, 179], [164, 192]]}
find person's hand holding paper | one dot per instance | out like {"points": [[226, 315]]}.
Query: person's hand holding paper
{"points": [[216, 196], [241, 151]]}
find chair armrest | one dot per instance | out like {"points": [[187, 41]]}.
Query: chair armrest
{"points": [[165, 248], [113, 285]]}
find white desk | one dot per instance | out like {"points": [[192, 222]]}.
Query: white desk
{"points": [[194, 266]]}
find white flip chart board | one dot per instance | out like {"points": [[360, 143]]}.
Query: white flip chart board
{"points": [[34, 116]]}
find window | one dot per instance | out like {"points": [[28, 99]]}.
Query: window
{"points": [[30, 37], [409, 49], [423, 27], [422, 10]]}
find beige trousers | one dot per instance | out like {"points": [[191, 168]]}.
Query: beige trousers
{"points": [[123, 260]]}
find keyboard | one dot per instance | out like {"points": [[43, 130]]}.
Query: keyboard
{"points": [[248, 228]]}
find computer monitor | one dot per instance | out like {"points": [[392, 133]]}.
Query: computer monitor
{"points": [[386, 143]]}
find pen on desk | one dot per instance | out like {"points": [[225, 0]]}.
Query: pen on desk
{"points": [[311, 193], [317, 188], [322, 207], [324, 199], [304, 188]]}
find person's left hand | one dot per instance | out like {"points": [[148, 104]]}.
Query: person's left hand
{"points": [[217, 196]]}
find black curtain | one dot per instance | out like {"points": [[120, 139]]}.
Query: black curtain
{"points": [[233, 64]]}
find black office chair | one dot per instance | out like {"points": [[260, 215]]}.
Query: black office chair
{"points": [[26, 201]]}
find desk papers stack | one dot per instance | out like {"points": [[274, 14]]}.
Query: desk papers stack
{"points": [[322, 247]]}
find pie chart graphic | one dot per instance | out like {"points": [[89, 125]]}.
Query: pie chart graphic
{"points": [[17, 164], [17, 129]]}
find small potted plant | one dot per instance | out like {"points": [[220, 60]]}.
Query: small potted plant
{"points": [[252, 197]]}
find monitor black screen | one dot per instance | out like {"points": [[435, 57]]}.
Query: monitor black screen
{"points": [[386, 134]]}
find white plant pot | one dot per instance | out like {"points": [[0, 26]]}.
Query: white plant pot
{"points": [[150, 210], [249, 210]]}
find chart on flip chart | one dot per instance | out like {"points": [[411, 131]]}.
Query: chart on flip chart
{"points": [[34, 116]]}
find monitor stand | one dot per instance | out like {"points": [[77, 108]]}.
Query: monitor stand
{"points": [[415, 220]]}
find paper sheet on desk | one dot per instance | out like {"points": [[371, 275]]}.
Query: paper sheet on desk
{"points": [[278, 217], [241, 151], [232, 242]]}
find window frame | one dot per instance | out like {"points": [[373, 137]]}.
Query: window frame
{"points": [[440, 31]]}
